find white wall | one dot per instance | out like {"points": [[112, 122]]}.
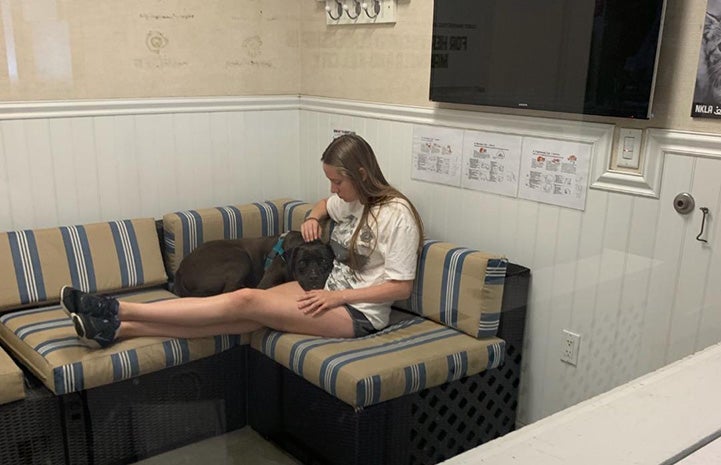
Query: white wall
{"points": [[626, 273]]}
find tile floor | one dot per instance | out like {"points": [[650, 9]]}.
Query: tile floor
{"points": [[243, 446]]}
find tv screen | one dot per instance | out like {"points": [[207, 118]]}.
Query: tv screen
{"points": [[577, 56]]}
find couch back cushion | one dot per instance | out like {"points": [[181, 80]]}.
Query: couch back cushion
{"points": [[185, 230], [99, 257], [295, 214], [459, 288]]}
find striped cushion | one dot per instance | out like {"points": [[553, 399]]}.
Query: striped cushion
{"points": [[11, 380], [45, 341], [459, 287], [406, 357], [100, 257], [186, 230], [297, 211]]}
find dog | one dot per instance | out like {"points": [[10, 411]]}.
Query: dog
{"points": [[226, 265]]}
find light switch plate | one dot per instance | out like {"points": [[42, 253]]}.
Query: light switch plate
{"points": [[628, 146]]}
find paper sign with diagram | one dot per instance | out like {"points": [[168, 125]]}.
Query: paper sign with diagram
{"points": [[491, 162], [437, 154], [555, 172]]}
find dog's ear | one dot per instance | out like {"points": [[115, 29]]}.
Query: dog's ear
{"points": [[292, 240]]}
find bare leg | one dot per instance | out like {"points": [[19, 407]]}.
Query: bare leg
{"points": [[276, 308]]}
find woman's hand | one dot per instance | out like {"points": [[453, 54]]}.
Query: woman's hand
{"points": [[318, 301], [311, 229]]}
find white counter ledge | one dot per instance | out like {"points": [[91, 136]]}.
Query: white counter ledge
{"points": [[659, 418]]}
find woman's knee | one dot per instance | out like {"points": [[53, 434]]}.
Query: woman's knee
{"points": [[241, 299]]}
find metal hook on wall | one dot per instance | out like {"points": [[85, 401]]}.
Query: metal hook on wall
{"points": [[356, 9], [338, 8], [376, 5], [703, 224]]}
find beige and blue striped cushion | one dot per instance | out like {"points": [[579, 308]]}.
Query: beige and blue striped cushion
{"points": [[406, 357], [99, 257], [45, 341], [459, 287], [186, 230], [294, 213], [297, 211], [11, 380]]}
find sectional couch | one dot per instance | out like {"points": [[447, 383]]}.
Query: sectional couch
{"points": [[442, 378]]}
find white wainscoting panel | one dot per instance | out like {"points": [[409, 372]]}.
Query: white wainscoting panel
{"points": [[87, 164]]}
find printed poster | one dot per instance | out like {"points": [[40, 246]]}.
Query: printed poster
{"points": [[341, 132], [555, 172], [707, 92], [491, 162], [437, 154]]}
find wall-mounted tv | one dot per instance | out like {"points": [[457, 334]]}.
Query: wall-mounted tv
{"points": [[593, 57]]}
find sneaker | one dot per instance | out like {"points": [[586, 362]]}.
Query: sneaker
{"points": [[76, 301], [95, 332]]}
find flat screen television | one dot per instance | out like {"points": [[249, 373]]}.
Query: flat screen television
{"points": [[593, 57]]}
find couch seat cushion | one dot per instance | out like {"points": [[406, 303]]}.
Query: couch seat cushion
{"points": [[45, 341], [11, 380], [408, 356]]}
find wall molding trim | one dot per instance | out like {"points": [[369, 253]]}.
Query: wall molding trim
{"points": [[645, 183], [530, 126], [659, 143], [595, 133], [116, 107]]}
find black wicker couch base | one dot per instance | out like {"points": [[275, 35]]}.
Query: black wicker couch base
{"points": [[422, 428], [31, 429], [135, 419]]}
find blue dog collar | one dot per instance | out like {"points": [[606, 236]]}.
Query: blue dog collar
{"points": [[276, 251]]}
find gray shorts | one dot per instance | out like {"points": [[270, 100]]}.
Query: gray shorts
{"points": [[361, 325]]}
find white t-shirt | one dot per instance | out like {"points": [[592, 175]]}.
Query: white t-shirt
{"points": [[394, 256]]}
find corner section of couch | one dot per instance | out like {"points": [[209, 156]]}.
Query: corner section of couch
{"points": [[138, 396], [439, 380]]}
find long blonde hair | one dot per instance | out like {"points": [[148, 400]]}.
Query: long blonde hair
{"points": [[354, 158]]}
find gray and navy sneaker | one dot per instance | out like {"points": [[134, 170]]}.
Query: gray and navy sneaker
{"points": [[76, 301], [95, 332]]}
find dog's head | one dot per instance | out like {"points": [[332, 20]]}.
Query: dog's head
{"points": [[310, 263]]}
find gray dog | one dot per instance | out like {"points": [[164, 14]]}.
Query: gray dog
{"points": [[225, 265]]}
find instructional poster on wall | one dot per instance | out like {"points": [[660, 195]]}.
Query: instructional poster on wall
{"points": [[555, 172], [437, 154], [491, 162]]}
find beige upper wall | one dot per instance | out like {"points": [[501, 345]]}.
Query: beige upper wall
{"points": [[97, 49], [388, 63]]}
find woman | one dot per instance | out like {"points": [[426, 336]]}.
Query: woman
{"points": [[376, 239]]}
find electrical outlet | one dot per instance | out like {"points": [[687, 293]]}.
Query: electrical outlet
{"points": [[570, 344]]}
